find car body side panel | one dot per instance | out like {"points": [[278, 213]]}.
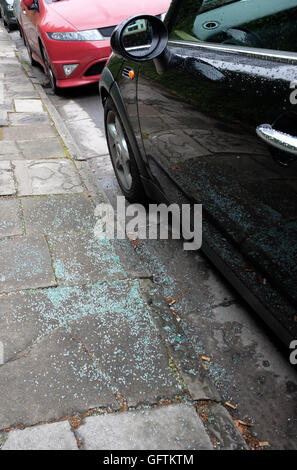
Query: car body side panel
{"points": [[198, 123], [271, 305]]}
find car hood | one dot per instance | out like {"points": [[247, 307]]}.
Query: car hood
{"points": [[90, 14]]}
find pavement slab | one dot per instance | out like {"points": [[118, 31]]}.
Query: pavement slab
{"points": [[42, 148], [38, 177], [2, 95], [55, 379], [28, 106], [22, 91], [3, 118], [81, 258], [112, 322], [63, 213], [37, 313], [7, 56], [16, 133], [10, 218], [5, 103], [26, 317], [7, 185], [31, 150], [28, 119], [9, 151], [55, 436], [11, 68], [124, 339], [9, 63], [175, 427], [5, 47], [25, 263]]}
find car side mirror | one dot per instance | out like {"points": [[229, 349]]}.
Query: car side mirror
{"points": [[31, 4], [28, 3], [142, 38]]}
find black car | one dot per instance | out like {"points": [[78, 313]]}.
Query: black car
{"points": [[203, 109], [7, 13]]}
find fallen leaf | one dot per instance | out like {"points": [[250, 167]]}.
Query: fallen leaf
{"points": [[243, 423], [176, 315], [230, 405], [264, 444], [135, 243], [206, 358], [215, 443]]}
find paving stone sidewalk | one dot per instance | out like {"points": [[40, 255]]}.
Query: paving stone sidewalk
{"points": [[86, 360]]}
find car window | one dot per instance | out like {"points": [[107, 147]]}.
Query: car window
{"points": [[268, 24]]}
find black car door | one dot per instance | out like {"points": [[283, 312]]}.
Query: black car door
{"points": [[220, 125]]}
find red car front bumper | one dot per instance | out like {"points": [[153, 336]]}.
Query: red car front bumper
{"points": [[91, 57]]}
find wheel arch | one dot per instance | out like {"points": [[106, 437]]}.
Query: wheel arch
{"points": [[108, 87], [104, 94]]}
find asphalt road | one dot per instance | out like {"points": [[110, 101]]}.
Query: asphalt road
{"points": [[248, 365]]}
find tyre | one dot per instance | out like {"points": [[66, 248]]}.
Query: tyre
{"points": [[32, 61], [6, 24], [122, 158], [50, 74], [20, 30]]}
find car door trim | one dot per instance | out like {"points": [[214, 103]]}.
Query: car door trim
{"points": [[264, 53]]}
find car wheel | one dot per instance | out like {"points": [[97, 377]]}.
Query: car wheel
{"points": [[50, 74], [32, 61], [122, 158], [20, 29], [6, 24]]}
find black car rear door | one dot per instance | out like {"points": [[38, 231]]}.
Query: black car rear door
{"points": [[202, 124]]}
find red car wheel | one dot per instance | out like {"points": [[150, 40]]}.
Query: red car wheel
{"points": [[32, 61], [49, 72]]}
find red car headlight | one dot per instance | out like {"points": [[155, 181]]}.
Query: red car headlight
{"points": [[88, 35]]}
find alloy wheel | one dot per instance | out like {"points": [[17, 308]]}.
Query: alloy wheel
{"points": [[119, 150], [50, 74]]}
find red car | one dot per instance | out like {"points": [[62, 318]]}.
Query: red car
{"points": [[70, 38]]}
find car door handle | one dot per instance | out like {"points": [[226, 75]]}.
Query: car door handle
{"points": [[278, 139]]}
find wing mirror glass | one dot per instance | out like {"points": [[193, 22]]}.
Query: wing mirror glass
{"points": [[140, 38]]}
